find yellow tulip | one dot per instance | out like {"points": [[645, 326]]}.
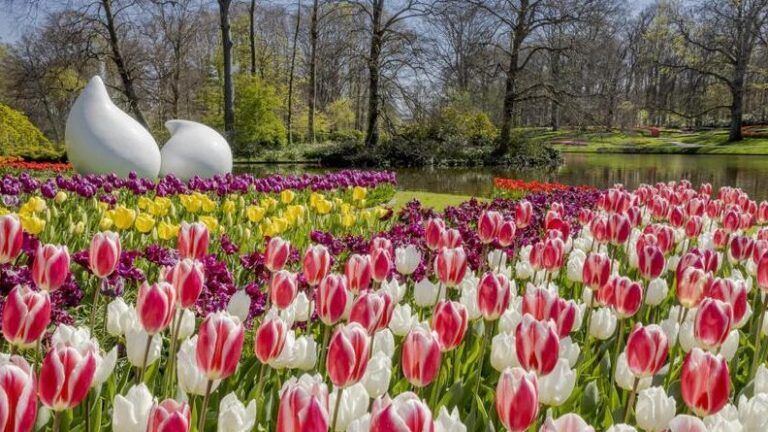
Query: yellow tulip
{"points": [[324, 206], [123, 217], [32, 224], [79, 228], [144, 223], [211, 222], [347, 220], [144, 203], [60, 197], [255, 213], [160, 207], [167, 231], [106, 223], [208, 204], [37, 203], [190, 202], [314, 198], [287, 196], [228, 206], [102, 206], [359, 193], [381, 211], [4, 211], [268, 202]]}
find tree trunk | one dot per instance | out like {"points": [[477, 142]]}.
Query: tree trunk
{"points": [[372, 132], [252, 34], [290, 78], [737, 106], [229, 88], [122, 70], [554, 103], [517, 35], [312, 73]]}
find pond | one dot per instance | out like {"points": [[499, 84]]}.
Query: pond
{"points": [[601, 170]]}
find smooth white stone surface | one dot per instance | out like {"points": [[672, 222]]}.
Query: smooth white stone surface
{"points": [[194, 149], [101, 139]]}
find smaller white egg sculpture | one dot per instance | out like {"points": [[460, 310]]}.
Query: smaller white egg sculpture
{"points": [[101, 139], [194, 149]]}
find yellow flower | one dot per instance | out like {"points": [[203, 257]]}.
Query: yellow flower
{"points": [[347, 220], [33, 205], [78, 228], [32, 224], [255, 213], [324, 206], [167, 231], [144, 223], [287, 196], [211, 222], [345, 208], [268, 202], [102, 206], [144, 203], [160, 206], [123, 217], [314, 198], [381, 211], [208, 204], [3, 211], [191, 203], [359, 193], [60, 197], [295, 213], [106, 223], [228, 206]]}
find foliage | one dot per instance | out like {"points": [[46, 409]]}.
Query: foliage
{"points": [[19, 137]]}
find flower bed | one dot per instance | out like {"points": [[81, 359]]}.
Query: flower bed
{"points": [[569, 310], [516, 189], [17, 163]]}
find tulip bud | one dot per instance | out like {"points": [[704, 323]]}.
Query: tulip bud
{"points": [[50, 268], [603, 323], [450, 320], [358, 271], [276, 253], [381, 264], [619, 228], [741, 247], [316, 263], [544, 306], [570, 422], [597, 270], [372, 310], [406, 410], [493, 293], [155, 306], [433, 232], [507, 232], [104, 253], [169, 416], [537, 345], [762, 273], [348, 354], [627, 296], [219, 345], [193, 240], [11, 238], [651, 262], [451, 265], [303, 405], [239, 305], [523, 213], [332, 298], [381, 243], [556, 387], [488, 226], [131, 412], [517, 399], [647, 349], [234, 416], [26, 315], [692, 286], [687, 423], [421, 356], [66, 376], [269, 339], [654, 409], [450, 238], [283, 288], [187, 277], [407, 259], [713, 323], [705, 382], [18, 403]]}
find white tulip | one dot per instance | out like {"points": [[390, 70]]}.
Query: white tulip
{"points": [[384, 341], [726, 420], [239, 305], [304, 353], [556, 387], [449, 422], [469, 300], [470, 281], [407, 259], [575, 265], [654, 409], [731, 344], [625, 378], [402, 320], [761, 380], [119, 317], [685, 423], [191, 379], [511, 317], [753, 412], [234, 416], [362, 424], [105, 365], [377, 375], [657, 292], [425, 293], [187, 327], [286, 358], [354, 404], [395, 289], [301, 307], [685, 335], [136, 344], [602, 324], [497, 259], [582, 244], [523, 270], [503, 353], [131, 412], [569, 350], [621, 427]]}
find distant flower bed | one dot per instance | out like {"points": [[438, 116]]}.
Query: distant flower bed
{"points": [[516, 188], [17, 163]]}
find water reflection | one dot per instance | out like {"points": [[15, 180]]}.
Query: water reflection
{"points": [[601, 170]]}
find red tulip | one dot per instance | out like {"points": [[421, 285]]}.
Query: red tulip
{"points": [[762, 213], [692, 286], [651, 262], [635, 215], [619, 228], [277, 253], [303, 406], [507, 232], [269, 339], [714, 209], [331, 299], [219, 345], [544, 306], [26, 315], [691, 258], [187, 278], [451, 266], [693, 227], [169, 416], [488, 226], [104, 253], [705, 382], [193, 240], [598, 227], [18, 403], [450, 238], [493, 295], [283, 288], [585, 216], [421, 356], [553, 254], [404, 413], [433, 232], [50, 268], [155, 306], [627, 296], [523, 213], [381, 264], [732, 292], [316, 263], [66, 376], [559, 226], [537, 345], [359, 272], [348, 354], [741, 247], [720, 239], [372, 310], [714, 320], [597, 270], [762, 273], [677, 216], [11, 238], [450, 320], [382, 243], [730, 220], [517, 399], [664, 235], [647, 350]]}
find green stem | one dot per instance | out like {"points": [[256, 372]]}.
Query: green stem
{"points": [[323, 348], [140, 377], [86, 405], [336, 409], [95, 306], [631, 400], [201, 423], [488, 327], [171, 369], [56, 421]]}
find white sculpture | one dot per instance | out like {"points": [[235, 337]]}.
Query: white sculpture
{"points": [[194, 149], [102, 139]]}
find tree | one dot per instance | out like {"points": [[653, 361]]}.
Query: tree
{"points": [[229, 86], [311, 99], [252, 34], [291, 74]]}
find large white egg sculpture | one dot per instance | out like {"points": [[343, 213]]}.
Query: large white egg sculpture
{"points": [[101, 139], [194, 149]]}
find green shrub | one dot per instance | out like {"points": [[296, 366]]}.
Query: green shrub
{"points": [[19, 137]]}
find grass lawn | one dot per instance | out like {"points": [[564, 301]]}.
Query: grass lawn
{"points": [[427, 199]]}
